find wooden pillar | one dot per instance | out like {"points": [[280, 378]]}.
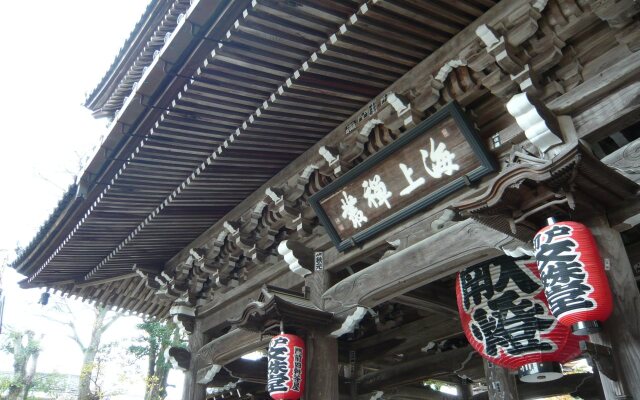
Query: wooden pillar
{"points": [[465, 391], [192, 390], [322, 349], [622, 331], [501, 384]]}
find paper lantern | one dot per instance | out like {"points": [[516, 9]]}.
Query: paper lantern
{"points": [[285, 367], [573, 276], [506, 318]]}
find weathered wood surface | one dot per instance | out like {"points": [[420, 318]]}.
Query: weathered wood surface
{"points": [[425, 367], [429, 305], [420, 73], [228, 347], [235, 300], [322, 366], [622, 329], [405, 176], [192, 390], [404, 338], [442, 254], [626, 160], [501, 383], [322, 349]]}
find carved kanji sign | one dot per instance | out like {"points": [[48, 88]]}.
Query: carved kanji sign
{"points": [[436, 158]]}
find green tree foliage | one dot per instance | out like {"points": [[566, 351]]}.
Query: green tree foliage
{"points": [[25, 349], [158, 337]]}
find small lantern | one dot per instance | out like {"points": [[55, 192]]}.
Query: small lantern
{"points": [[286, 367], [505, 317], [573, 276]]}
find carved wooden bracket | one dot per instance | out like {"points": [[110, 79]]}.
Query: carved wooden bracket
{"points": [[519, 199], [277, 305], [351, 322], [179, 357], [206, 375], [297, 256], [184, 315], [540, 125]]}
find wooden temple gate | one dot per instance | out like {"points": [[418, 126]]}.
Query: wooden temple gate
{"points": [[474, 122]]}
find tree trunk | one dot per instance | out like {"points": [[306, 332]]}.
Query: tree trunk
{"points": [[31, 373], [22, 379], [158, 373], [90, 352]]}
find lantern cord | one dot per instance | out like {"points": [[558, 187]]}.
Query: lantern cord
{"points": [[464, 363], [282, 327]]}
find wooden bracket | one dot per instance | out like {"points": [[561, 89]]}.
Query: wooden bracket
{"points": [[600, 357]]}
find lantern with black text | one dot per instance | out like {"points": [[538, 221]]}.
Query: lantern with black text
{"points": [[285, 367], [573, 276], [505, 317]]}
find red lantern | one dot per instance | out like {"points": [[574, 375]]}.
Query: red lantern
{"points": [[573, 276], [285, 378], [506, 318]]}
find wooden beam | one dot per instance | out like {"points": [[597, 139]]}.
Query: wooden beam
{"points": [[229, 347], [403, 338], [626, 160], [610, 114], [445, 363], [600, 85], [423, 304], [452, 249]]}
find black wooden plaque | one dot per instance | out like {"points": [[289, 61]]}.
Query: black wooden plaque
{"points": [[436, 158]]}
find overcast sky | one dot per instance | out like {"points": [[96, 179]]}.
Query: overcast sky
{"points": [[53, 53]]}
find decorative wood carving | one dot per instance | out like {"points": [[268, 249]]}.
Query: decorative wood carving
{"points": [[445, 156], [528, 49], [538, 123], [277, 306], [228, 347], [179, 357], [183, 315], [207, 374], [351, 322], [297, 256], [517, 201]]}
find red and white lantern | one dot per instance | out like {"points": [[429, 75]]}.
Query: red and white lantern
{"points": [[286, 372], [573, 276], [506, 318]]}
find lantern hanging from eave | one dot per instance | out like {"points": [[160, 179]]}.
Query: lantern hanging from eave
{"points": [[505, 317], [286, 367], [573, 276]]}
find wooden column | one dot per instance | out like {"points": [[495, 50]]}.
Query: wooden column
{"points": [[192, 390], [622, 330], [322, 349], [501, 384], [464, 389]]}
